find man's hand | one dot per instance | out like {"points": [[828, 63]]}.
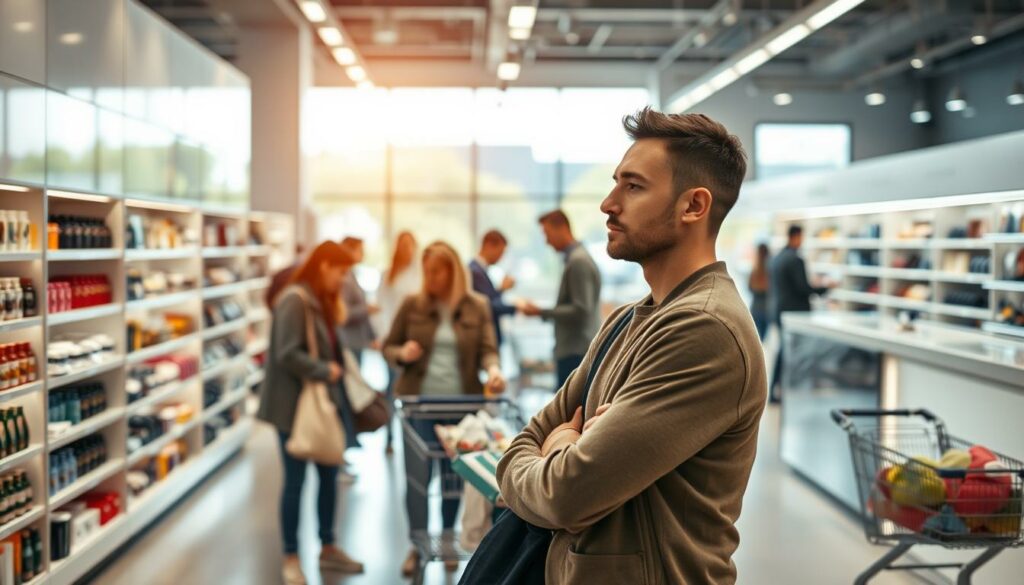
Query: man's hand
{"points": [[528, 308], [564, 434], [507, 283], [411, 352]]}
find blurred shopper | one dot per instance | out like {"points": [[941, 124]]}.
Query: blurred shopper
{"points": [[576, 314], [492, 248], [648, 488], [282, 277], [357, 332], [441, 339], [402, 279], [758, 285], [790, 292], [314, 289]]}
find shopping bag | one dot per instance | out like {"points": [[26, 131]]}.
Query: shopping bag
{"points": [[479, 468], [370, 408], [316, 434], [476, 518]]}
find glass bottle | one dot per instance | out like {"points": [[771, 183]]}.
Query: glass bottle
{"points": [[22, 421]]}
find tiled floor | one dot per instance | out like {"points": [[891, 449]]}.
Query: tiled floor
{"points": [[225, 533]]}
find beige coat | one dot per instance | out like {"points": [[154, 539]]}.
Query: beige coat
{"points": [[418, 319], [650, 495]]}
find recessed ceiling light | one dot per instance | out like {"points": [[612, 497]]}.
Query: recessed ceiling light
{"points": [[917, 63], [1016, 96], [509, 71], [331, 36], [344, 56], [956, 102], [356, 73], [17, 188], [979, 39], [875, 98], [730, 18], [71, 38], [920, 113], [313, 10], [24, 26], [522, 16], [520, 34], [572, 38], [782, 98]]}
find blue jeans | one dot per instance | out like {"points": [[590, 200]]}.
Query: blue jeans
{"points": [[761, 322], [327, 499], [565, 366]]}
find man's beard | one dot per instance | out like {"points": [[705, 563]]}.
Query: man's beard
{"points": [[640, 244]]}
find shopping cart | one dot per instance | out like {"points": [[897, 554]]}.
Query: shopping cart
{"points": [[422, 452], [916, 487]]}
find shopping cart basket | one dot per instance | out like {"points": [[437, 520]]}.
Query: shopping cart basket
{"points": [[422, 453], [920, 485]]}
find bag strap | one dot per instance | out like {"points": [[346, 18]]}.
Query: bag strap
{"points": [[314, 349], [606, 345]]}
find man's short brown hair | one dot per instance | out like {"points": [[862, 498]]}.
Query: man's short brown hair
{"points": [[494, 238], [555, 218], [702, 153]]}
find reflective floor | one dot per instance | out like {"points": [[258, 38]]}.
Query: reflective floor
{"points": [[225, 533]]}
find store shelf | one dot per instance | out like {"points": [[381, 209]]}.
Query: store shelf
{"points": [[38, 579], [140, 255], [255, 378], [16, 324], [54, 382], [256, 284], [84, 314], [259, 315], [961, 244], [159, 395], [86, 428], [87, 482], [164, 300], [20, 256], [963, 277], [1003, 329], [84, 255], [225, 403], [225, 328], [225, 290], [160, 349], [223, 367], [257, 250], [907, 304], [19, 458], [1005, 238], [82, 549], [907, 274], [154, 447], [224, 252], [907, 244], [17, 391], [828, 267], [257, 347], [34, 514], [1005, 285], [962, 312], [868, 271], [854, 297]]}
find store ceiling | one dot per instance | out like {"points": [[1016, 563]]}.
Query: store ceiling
{"points": [[467, 33]]}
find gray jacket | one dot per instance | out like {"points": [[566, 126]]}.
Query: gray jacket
{"points": [[577, 313], [357, 333], [289, 360]]}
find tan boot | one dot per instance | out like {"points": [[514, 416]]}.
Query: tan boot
{"points": [[411, 564], [291, 571], [333, 558]]}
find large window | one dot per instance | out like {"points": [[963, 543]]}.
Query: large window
{"points": [[786, 149], [452, 163]]}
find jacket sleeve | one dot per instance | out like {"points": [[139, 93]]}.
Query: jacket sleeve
{"points": [[797, 275], [483, 285], [683, 391], [289, 338], [488, 341], [397, 336], [356, 309], [582, 295]]}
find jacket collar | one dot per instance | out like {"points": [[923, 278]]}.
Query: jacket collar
{"points": [[426, 305], [688, 282]]}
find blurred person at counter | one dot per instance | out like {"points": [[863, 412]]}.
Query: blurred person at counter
{"points": [[577, 311], [790, 292], [357, 332], [492, 249], [758, 286]]}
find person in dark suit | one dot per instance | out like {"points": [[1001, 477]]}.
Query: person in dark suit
{"points": [[790, 291], [492, 248]]}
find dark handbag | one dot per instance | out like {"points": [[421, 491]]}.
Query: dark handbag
{"points": [[373, 416], [514, 552]]}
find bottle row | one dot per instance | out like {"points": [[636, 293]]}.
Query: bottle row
{"points": [[154, 282], [14, 434], [144, 379], [17, 232], [70, 406], [18, 365], [21, 557], [144, 233], [16, 496], [157, 329], [69, 463], [74, 232], [157, 468], [222, 312], [81, 520], [149, 426], [66, 293], [18, 299], [71, 353]]}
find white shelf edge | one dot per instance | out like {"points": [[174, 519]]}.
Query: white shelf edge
{"points": [[16, 324], [20, 457], [164, 300], [143, 254], [221, 368], [87, 482], [1004, 238], [83, 547], [157, 445], [258, 315], [85, 255], [85, 428], [962, 312], [1003, 329], [1004, 285], [34, 514], [225, 403], [159, 349], [160, 395], [961, 244], [225, 328], [20, 256], [261, 283], [225, 290], [223, 251], [963, 278], [18, 391], [53, 382], [258, 250], [83, 314]]}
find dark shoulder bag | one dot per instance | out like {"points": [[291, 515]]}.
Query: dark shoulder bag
{"points": [[514, 552]]}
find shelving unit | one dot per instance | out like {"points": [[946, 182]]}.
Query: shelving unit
{"points": [[922, 245], [256, 263]]}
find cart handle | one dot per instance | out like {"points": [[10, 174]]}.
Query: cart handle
{"points": [[842, 416]]}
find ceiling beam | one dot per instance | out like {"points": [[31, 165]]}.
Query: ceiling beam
{"points": [[599, 39], [707, 20]]}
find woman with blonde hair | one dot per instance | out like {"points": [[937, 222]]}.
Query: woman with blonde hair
{"points": [[311, 299], [441, 339]]}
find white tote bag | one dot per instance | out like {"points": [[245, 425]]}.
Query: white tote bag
{"points": [[317, 434]]}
